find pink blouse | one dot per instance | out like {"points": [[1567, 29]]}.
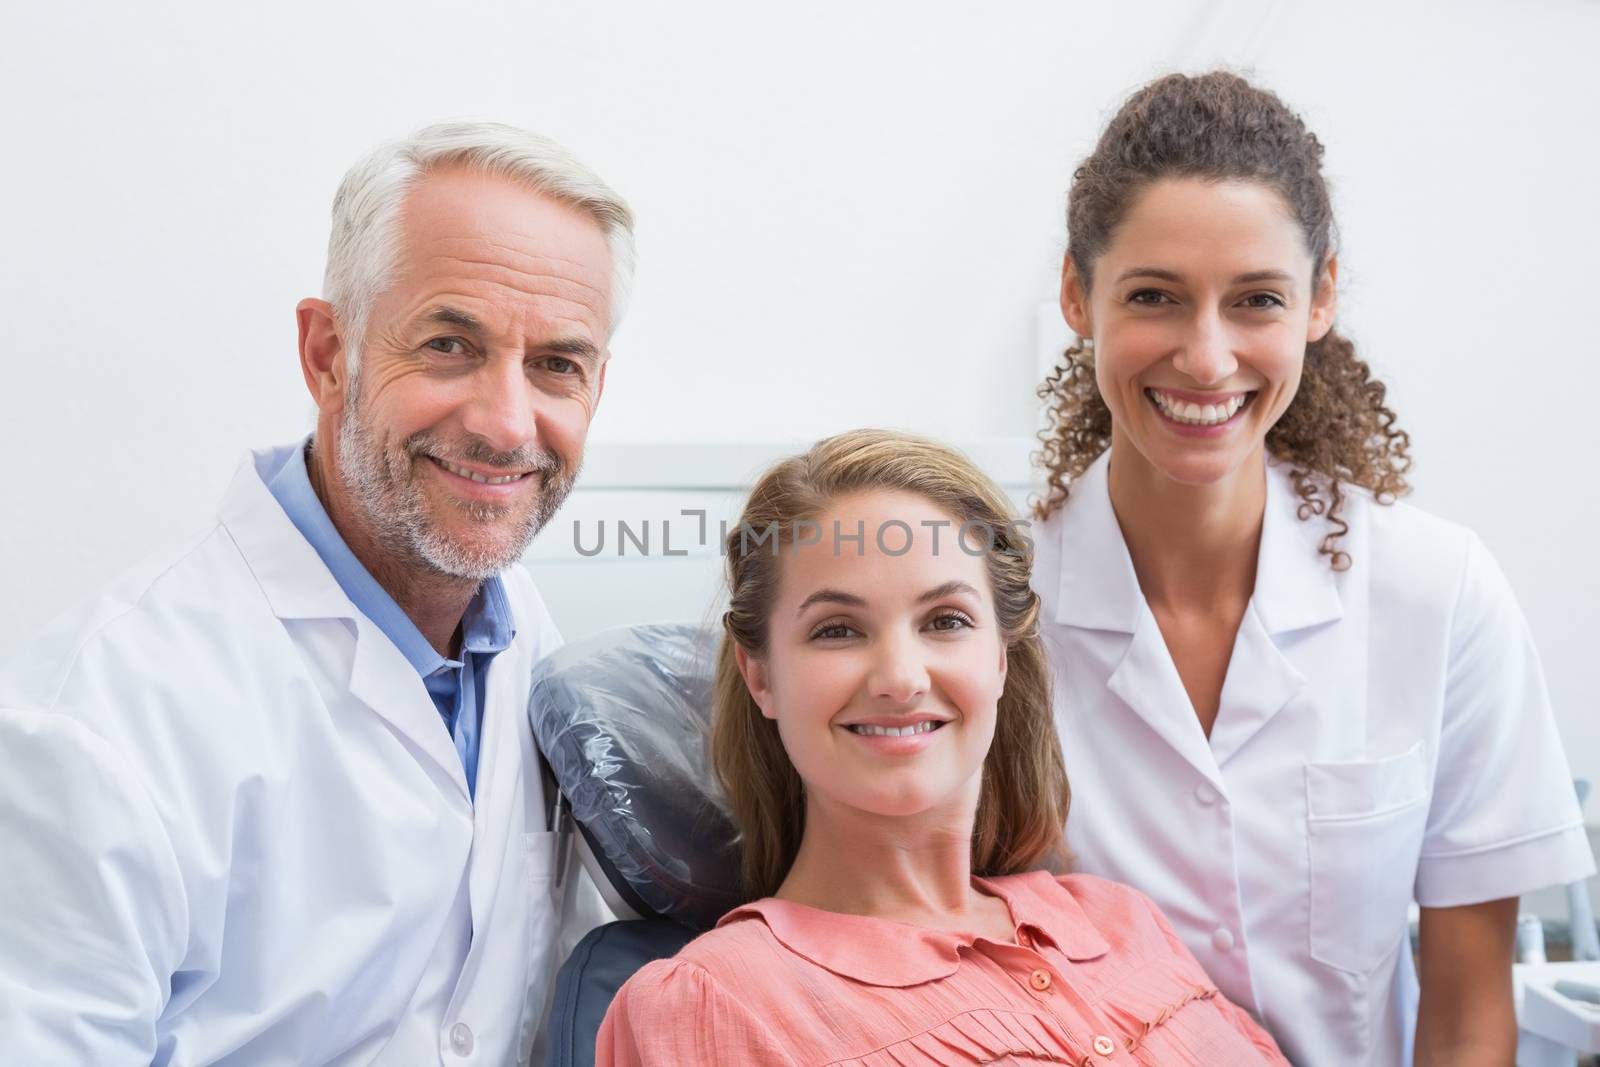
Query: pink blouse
{"points": [[1096, 976]]}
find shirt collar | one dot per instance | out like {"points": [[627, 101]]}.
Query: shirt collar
{"points": [[852, 945], [1099, 590], [486, 626], [1097, 587], [1296, 586]]}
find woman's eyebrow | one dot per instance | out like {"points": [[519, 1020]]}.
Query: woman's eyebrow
{"points": [[835, 596], [1150, 272], [1173, 276], [1263, 276], [831, 596], [947, 589]]}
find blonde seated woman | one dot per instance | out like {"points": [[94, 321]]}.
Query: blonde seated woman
{"points": [[883, 730]]}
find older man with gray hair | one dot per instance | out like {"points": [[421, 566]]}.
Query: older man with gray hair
{"points": [[274, 798]]}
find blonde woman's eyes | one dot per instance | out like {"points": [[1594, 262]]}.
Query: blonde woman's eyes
{"points": [[1148, 297], [950, 621], [1263, 301], [831, 631]]}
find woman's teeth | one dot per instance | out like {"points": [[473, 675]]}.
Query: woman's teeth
{"points": [[474, 475], [1198, 414], [866, 729]]}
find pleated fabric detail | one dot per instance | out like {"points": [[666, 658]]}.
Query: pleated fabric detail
{"points": [[982, 1036]]}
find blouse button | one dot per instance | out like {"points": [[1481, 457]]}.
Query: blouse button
{"points": [[1040, 980], [1104, 1045]]}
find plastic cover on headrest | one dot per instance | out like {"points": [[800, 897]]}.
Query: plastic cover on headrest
{"points": [[624, 719]]}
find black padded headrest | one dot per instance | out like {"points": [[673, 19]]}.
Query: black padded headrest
{"points": [[623, 719]]}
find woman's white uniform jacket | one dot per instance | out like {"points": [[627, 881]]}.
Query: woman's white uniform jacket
{"points": [[234, 828], [1384, 736]]}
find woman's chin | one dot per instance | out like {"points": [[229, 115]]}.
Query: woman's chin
{"points": [[1199, 465]]}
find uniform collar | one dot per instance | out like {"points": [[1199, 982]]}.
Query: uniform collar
{"points": [[307, 571], [852, 945], [1296, 586], [485, 626], [1098, 589]]}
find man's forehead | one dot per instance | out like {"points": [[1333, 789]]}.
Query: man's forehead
{"points": [[457, 212]]}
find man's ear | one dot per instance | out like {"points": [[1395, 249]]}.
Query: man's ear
{"points": [[1075, 300], [1325, 303], [322, 358], [754, 672]]}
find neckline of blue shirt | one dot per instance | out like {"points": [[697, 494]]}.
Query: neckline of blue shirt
{"points": [[485, 626]]}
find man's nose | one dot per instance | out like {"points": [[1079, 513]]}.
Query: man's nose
{"points": [[1207, 354], [503, 408], [899, 674]]}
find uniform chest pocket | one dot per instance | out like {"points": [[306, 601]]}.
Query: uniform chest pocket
{"points": [[1364, 825]]}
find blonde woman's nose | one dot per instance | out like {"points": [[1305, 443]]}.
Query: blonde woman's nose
{"points": [[899, 673]]}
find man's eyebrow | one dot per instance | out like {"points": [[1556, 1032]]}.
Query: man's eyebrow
{"points": [[831, 596], [450, 316], [570, 346], [938, 592]]}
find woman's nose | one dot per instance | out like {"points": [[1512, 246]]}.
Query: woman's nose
{"points": [[899, 674], [1206, 357]]}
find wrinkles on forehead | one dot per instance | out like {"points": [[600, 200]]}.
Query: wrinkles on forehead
{"points": [[502, 243]]}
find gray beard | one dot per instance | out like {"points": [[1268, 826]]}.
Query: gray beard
{"points": [[382, 484]]}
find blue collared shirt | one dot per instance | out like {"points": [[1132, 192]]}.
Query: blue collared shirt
{"points": [[456, 685]]}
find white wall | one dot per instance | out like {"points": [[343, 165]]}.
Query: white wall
{"points": [[849, 215]]}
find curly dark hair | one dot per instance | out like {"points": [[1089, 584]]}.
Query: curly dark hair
{"points": [[1217, 126]]}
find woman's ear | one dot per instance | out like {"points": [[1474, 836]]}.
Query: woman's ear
{"points": [[754, 672], [1075, 300], [1324, 303]]}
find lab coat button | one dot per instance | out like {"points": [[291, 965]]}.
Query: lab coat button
{"points": [[1222, 940], [1104, 1045], [1206, 794], [1040, 980], [461, 1039]]}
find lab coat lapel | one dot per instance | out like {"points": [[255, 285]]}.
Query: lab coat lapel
{"points": [[1147, 681], [298, 585], [384, 680], [1296, 590], [1099, 590], [505, 754]]}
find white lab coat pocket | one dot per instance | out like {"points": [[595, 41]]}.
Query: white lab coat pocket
{"points": [[1364, 827]]}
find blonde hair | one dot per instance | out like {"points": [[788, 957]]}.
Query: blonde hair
{"points": [[1022, 806]]}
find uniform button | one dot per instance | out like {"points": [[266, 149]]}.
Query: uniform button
{"points": [[461, 1039], [1206, 794], [1222, 939], [1040, 980], [1104, 1045]]}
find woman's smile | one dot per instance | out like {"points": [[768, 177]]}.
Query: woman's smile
{"points": [[1200, 414]]}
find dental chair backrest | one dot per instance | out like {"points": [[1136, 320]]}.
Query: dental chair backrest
{"points": [[622, 720]]}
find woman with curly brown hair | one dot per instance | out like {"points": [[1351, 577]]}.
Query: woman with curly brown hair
{"points": [[1296, 704]]}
